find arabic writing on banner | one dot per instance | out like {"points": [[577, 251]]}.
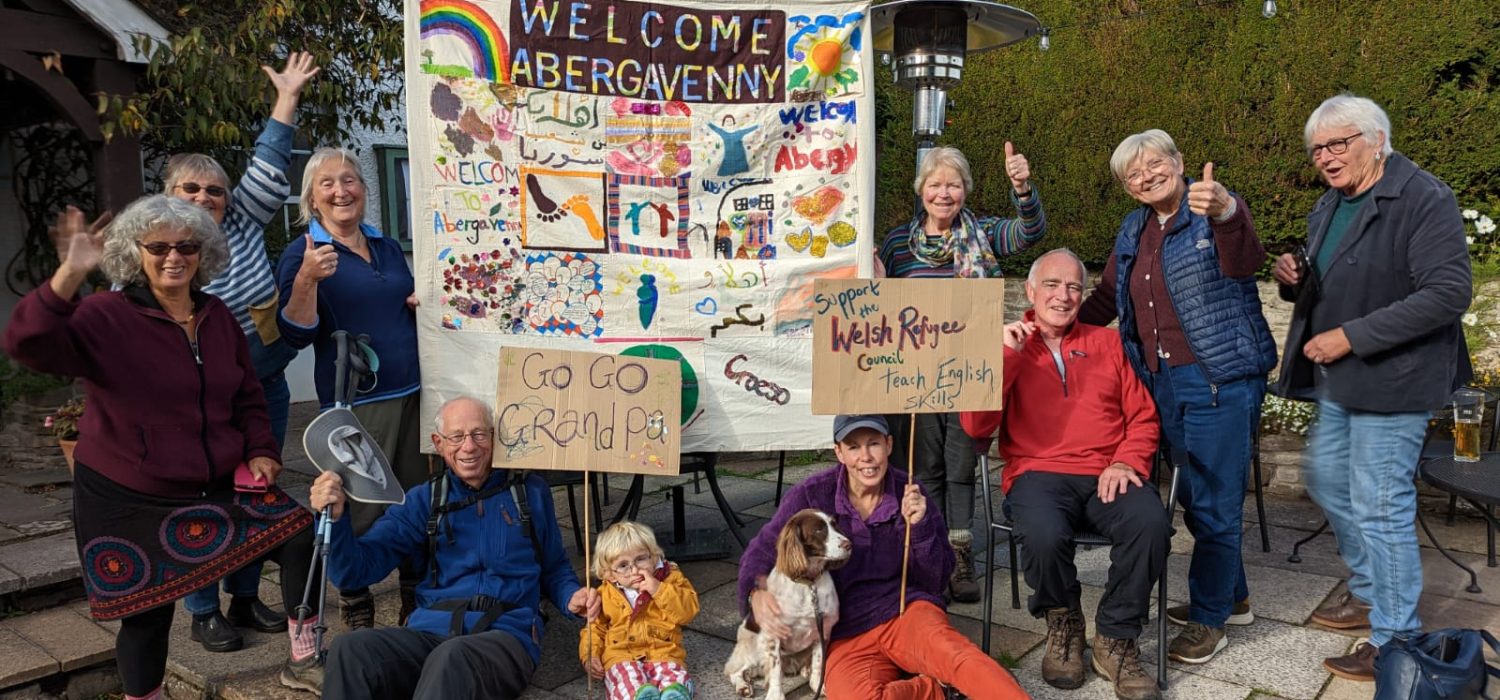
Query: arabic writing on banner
{"points": [[567, 410], [907, 346], [658, 179]]}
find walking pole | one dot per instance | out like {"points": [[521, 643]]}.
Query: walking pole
{"points": [[911, 444], [587, 583]]}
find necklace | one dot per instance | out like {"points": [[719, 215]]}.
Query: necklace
{"points": [[183, 322]]}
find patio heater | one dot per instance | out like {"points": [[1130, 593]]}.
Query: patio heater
{"points": [[929, 40]]}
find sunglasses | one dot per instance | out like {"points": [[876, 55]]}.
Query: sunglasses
{"points": [[160, 249], [193, 188]]}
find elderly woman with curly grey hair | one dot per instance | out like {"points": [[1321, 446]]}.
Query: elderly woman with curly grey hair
{"points": [[1376, 339], [176, 422], [948, 240]]}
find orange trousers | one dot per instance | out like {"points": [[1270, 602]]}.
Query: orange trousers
{"points": [[910, 657]]}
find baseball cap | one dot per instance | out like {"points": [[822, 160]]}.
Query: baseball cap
{"points": [[843, 425]]}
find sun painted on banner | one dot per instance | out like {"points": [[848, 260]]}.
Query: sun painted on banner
{"points": [[606, 174]]}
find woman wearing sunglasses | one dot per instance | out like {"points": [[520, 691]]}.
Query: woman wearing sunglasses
{"points": [[345, 275], [248, 287], [175, 413]]}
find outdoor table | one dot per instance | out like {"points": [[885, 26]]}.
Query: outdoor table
{"points": [[690, 544], [1475, 482]]}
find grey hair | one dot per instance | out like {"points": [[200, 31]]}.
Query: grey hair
{"points": [[1349, 109], [1083, 271], [185, 165], [943, 157], [122, 262], [437, 421], [1150, 140], [306, 210]]}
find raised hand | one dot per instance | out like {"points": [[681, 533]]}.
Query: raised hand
{"points": [[1017, 169], [299, 70], [1016, 333], [318, 262], [1207, 197], [80, 244]]}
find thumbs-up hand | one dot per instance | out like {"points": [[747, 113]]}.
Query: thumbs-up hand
{"points": [[1207, 197], [1017, 169], [318, 262]]}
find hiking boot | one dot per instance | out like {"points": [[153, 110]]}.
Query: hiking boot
{"points": [[216, 634], [1119, 661], [1358, 665], [408, 604], [1238, 615], [1197, 643], [250, 612], [306, 674], [1062, 665], [357, 612], [962, 585], [1343, 612]]}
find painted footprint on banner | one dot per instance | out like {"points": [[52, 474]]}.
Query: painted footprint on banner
{"points": [[578, 205]]}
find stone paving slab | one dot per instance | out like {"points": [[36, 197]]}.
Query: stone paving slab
{"points": [[22, 661], [10, 581], [8, 535], [38, 478], [18, 507], [1268, 655], [43, 561], [72, 639], [1180, 685], [1341, 689]]}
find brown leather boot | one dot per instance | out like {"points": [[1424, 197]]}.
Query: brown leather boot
{"points": [[962, 585], [1358, 665], [1119, 660], [1343, 612], [1062, 666]]}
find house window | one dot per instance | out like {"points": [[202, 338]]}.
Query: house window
{"points": [[395, 193]]}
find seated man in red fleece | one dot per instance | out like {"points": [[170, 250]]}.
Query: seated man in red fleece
{"points": [[1077, 435]]}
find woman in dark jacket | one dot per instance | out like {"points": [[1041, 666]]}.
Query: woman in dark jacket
{"points": [[1376, 340], [174, 409], [1182, 282]]}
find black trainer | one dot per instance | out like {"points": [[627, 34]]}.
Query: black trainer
{"points": [[216, 634], [250, 612]]}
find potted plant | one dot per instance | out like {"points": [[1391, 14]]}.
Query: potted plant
{"points": [[64, 424]]}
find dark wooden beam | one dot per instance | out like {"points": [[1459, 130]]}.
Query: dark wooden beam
{"points": [[60, 91], [118, 171], [42, 33]]}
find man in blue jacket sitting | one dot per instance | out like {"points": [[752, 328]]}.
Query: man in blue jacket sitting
{"points": [[477, 629]]}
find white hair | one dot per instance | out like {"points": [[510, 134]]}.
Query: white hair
{"points": [[437, 421], [1350, 110], [306, 209], [1083, 272], [1149, 141], [943, 157]]}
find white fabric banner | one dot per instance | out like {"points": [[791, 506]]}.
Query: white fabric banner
{"points": [[659, 179]]}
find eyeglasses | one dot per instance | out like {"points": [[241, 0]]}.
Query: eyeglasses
{"points": [[160, 249], [1336, 147], [480, 437], [1155, 165], [644, 561], [214, 191]]}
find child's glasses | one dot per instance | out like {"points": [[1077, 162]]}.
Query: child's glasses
{"points": [[623, 568]]}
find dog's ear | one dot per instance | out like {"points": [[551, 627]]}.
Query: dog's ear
{"points": [[790, 557]]}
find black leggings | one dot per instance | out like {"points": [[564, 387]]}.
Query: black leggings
{"points": [[141, 646]]}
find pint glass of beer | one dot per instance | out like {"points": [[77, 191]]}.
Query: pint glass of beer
{"points": [[1468, 411]]}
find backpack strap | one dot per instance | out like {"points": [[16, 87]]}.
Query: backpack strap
{"points": [[517, 484], [437, 508], [491, 607]]}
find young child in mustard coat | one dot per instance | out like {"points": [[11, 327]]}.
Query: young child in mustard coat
{"points": [[635, 644]]}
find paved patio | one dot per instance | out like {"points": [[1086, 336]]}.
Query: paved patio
{"points": [[1277, 657]]}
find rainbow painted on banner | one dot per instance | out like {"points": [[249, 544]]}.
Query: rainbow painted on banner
{"points": [[473, 26]]}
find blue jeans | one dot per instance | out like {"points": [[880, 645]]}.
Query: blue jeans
{"points": [[1215, 429], [1360, 468], [270, 365]]}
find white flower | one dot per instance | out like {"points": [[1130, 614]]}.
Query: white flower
{"points": [[1470, 214], [1471, 319], [1484, 225], [1469, 240]]}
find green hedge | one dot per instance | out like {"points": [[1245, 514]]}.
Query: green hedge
{"points": [[1230, 86]]}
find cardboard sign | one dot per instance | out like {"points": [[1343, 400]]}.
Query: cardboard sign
{"points": [[907, 346], [573, 410]]}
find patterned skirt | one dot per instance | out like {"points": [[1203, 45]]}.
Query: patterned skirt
{"points": [[139, 551]]}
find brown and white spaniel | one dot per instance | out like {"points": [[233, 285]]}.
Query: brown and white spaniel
{"points": [[808, 547]]}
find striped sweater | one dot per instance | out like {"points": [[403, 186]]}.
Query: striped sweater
{"points": [[257, 198], [1005, 236]]}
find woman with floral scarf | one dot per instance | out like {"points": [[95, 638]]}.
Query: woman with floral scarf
{"points": [[946, 239]]}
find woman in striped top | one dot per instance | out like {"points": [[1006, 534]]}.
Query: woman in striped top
{"points": [[946, 239], [248, 287]]}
